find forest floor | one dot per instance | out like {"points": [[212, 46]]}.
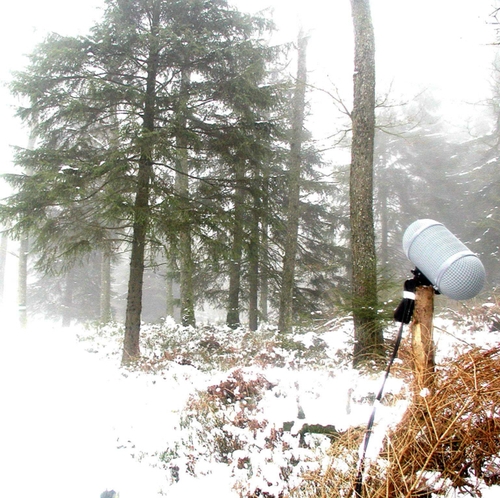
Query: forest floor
{"points": [[207, 412]]}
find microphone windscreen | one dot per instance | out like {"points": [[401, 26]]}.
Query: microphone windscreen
{"points": [[448, 264]]}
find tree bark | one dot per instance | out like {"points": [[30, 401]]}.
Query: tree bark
{"points": [[131, 349], [264, 248], [182, 188], [186, 279], [105, 298], [22, 289], [170, 288], [253, 265], [367, 330], [233, 306], [293, 211]]}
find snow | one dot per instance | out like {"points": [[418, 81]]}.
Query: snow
{"points": [[75, 423], [64, 414]]}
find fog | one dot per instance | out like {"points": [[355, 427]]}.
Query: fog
{"points": [[445, 46], [70, 406]]}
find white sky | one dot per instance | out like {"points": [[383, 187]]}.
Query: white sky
{"points": [[429, 43]]}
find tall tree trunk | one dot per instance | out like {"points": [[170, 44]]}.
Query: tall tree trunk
{"points": [[182, 188], [131, 349], [186, 279], [3, 260], [170, 309], [172, 285], [22, 285], [367, 329], [293, 211], [105, 301], [233, 305], [67, 311], [253, 265], [264, 255], [105, 310]]}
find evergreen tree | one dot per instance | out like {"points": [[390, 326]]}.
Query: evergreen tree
{"points": [[72, 296], [294, 184], [106, 110], [420, 170]]}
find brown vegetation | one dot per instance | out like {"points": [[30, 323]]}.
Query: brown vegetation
{"points": [[447, 439]]}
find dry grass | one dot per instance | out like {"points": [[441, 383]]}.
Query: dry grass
{"points": [[448, 439], [337, 480]]}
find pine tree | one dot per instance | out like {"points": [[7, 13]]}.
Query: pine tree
{"points": [[293, 184], [419, 173], [106, 110], [68, 297]]}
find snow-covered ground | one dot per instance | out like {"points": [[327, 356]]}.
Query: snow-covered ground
{"points": [[74, 423], [63, 412]]}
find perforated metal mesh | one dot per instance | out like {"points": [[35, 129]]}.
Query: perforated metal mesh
{"points": [[443, 259], [464, 279]]}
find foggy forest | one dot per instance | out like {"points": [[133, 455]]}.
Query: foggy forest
{"points": [[202, 254]]}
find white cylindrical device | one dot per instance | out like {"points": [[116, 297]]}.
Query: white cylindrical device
{"points": [[453, 269]]}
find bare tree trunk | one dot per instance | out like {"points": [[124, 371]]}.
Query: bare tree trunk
{"points": [[67, 311], [233, 306], [170, 290], [253, 266], [264, 257], [293, 211], [105, 301], [22, 289], [131, 349], [186, 279], [182, 188], [367, 330]]}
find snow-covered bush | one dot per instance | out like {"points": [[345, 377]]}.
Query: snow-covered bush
{"points": [[228, 424]]}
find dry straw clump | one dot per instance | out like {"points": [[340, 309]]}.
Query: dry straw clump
{"points": [[447, 439]]}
